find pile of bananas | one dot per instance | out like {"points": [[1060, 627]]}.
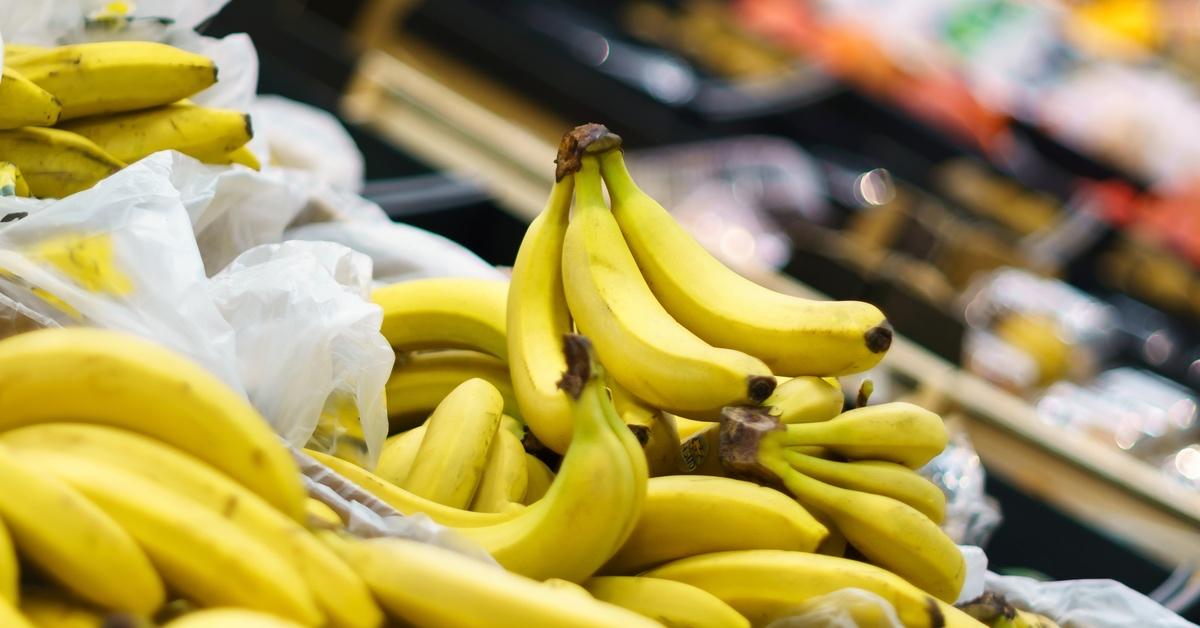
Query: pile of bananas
{"points": [[72, 115]]}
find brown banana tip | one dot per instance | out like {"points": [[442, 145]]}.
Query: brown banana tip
{"points": [[585, 138], [742, 431], [936, 618], [641, 433], [758, 387], [215, 72], [879, 337], [578, 352], [249, 126]]}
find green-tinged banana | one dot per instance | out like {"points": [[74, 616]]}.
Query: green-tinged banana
{"points": [[597, 494], [47, 608], [686, 515], [205, 133], [875, 476], [199, 552], [428, 586], [56, 163], [655, 431], [505, 478], [399, 452], [673, 603], [117, 379], [540, 479], [648, 352], [9, 569], [445, 313], [764, 584], [897, 432], [74, 541], [454, 449], [230, 618], [12, 182], [513, 426], [22, 103], [10, 617], [538, 318], [421, 380], [108, 77], [338, 591], [793, 336], [806, 399]]}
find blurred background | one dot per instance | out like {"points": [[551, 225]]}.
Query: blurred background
{"points": [[1016, 184]]}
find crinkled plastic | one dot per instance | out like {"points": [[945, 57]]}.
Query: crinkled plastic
{"points": [[308, 344], [303, 137], [1085, 603], [971, 516], [845, 608]]}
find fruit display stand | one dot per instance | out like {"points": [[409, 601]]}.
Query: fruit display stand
{"points": [[433, 108]]}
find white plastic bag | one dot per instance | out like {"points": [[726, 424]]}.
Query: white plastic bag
{"points": [[845, 608], [1085, 603], [303, 137]]}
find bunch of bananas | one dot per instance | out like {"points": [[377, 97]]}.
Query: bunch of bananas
{"points": [[72, 115]]}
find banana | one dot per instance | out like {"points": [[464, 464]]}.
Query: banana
{"points": [[445, 313], [454, 450], [793, 336], [121, 380], [241, 155], [699, 454], [9, 569], [505, 478], [764, 584], [540, 479], [675, 604], [538, 318], [647, 352], [56, 163], [75, 542], [897, 432], [996, 611], [108, 77], [14, 51], [10, 617], [12, 182], [421, 380], [230, 618], [653, 429], [399, 452], [205, 133], [339, 592], [806, 400], [428, 586], [688, 428], [46, 608], [24, 104], [875, 476], [686, 515], [567, 585], [321, 515]]}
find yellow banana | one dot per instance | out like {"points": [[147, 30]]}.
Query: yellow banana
{"points": [[445, 313], [513, 426], [428, 586], [10, 617], [454, 449], [9, 569], [793, 336], [108, 77], [56, 163], [322, 516], [806, 400], [655, 431], [12, 52], [699, 453], [24, 104], [241, 155], [114, 378], [675, 604], [12, 182], [399, 452], [875, 476], [538, 319], [205, 133], [688, 428], [505, 478], [421, 380], [338, 591], [75, 542], [686, 515], [647, 352], [47, 608], [230, 618], [540, 479], [897, 432]]}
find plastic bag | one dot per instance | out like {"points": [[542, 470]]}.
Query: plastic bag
{"points": [[845, 608], [308, 344], [303, 137], [1085, 603], [971, 516]]}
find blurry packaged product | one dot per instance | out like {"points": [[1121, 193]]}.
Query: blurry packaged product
{"points": [[1001, 199], [1184, 465]]}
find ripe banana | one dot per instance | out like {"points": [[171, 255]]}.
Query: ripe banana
{"points": [[654, 430], [399, 452], [793, 336], [699, 454], [897, 432], [241, 155], [686, 515], [12, 182], [9, 569], [321, 516], [56, 163], [428, 586], [764, 584], [24, 104], [339, 592], [505, 478], [806, 399], [421, 380], [538, 319], [454, 450], [875, 476], [49, 608], [205, 133], [647, 352], [230, 618], [445, 313], [75, 542], [675, 604], [14, 51], [10, 617], [108, 77], [997, 612], [540, 479], [114, 378]]}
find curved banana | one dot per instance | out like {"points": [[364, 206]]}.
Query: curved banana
{"points": [[875, 476], [686, 515], [338, 591], [806, 399], [9, 569], [205, 133], [111, 76], [45, 607], [12, 182], [655, 431], [540, 479], [538, 318], [75, 542], [445, 313], [13, 51], [321, 515], [428, 586], [56, 163], [114, 378], [230, 618], [897, 432], [505, 478], [674, 603], [699, 453], [399, 452], [646, 351], [420, 381], [793, 336], [22, 103], [10, 617], [454, 449], [241, 155]]}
